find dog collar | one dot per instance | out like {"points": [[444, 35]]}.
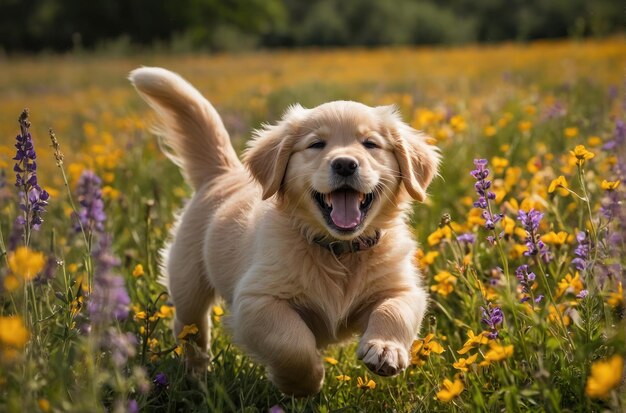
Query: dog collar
{"points": [[339, 247]]}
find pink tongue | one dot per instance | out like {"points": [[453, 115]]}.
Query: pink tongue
{"points": [[346, 213]]}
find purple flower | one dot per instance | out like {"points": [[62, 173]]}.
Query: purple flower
{"points": [[133, 406], [581, 251], [122, 345], [530, 221], [160, 380], [527, 281], [109, 299], [91, 214], [33, 198], [492, 317], [619, 137], [582, 294], [482, 186], [466, 238]]}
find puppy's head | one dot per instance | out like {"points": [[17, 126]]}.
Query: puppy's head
{"points": [[342, 167]]}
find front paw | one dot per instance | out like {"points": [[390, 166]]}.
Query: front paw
{"points": [[382, 357]]}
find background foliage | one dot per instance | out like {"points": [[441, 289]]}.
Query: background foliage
{"points": [[183, 25]]}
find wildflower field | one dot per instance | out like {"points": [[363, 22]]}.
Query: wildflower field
{"points": [[522, 239]]}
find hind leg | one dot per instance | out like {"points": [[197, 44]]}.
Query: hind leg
{"points": [[192, 296]]}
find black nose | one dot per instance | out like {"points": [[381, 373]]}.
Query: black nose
{"points": [[344, 166]]}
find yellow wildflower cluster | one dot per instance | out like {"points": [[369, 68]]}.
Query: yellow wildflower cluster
{"points": [[26, 263], [165, 311], [13, 337], [605, 376], [445, 283]]}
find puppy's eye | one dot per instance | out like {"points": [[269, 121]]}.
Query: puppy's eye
{"points": [[317, 145], [371, 145]]}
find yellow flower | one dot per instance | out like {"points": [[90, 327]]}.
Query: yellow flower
{"points": [[26, 263], [594, 141], [498, 352], [76, 305], [610, 185], [12, 332], [188, 330], [458, 123], [556, 313], [331, 360], [571, 132], [153, 343], [581, 154], [559, 182], [44, 405], [616, 298], [438, 235], [508, 224], [428, 258], [364, 383], [445, 283], [141, 315], [524, 126], [474, 341], [554, 238], [490, 131], [165, 311], [450, 390], [605, 375], [499, 164], [421, 348], [178, 350], [534, 165], [463, 363], [343, 377], [138, 271], [569, 284], [11, 283]]}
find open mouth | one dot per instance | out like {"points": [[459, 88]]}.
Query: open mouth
{"points": [[345, 208]]}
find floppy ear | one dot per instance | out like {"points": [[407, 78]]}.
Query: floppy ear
{"points": [[268, 152], [417, 159]]}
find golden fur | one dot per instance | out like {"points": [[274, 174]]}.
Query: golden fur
{"points": [[248, 233]]}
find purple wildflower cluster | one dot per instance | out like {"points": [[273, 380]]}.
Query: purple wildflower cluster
{"points": [[34, 199], [582, 251], [482, 186], [492, 317], [530, 221], [91, 214], [109, 299], [527, 281]]}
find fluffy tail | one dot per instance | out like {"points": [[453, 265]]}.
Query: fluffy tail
{"points": [[189, 124]]}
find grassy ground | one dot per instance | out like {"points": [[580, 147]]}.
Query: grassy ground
{"points": [[523, 108]]}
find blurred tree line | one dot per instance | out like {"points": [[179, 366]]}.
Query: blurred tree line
{"points": [[184, 25]]}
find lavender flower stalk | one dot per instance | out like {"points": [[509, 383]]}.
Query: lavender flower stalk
{"points": [[91, 214], [582, 251], [530, 221], [34, 199], [527, 281], [492, 317], [482, 186]]}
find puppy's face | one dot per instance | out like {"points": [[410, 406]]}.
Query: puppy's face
{"points": [[342, 167]]}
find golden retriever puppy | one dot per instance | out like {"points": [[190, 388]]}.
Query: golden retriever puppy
{"points": [[306, 240]]}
